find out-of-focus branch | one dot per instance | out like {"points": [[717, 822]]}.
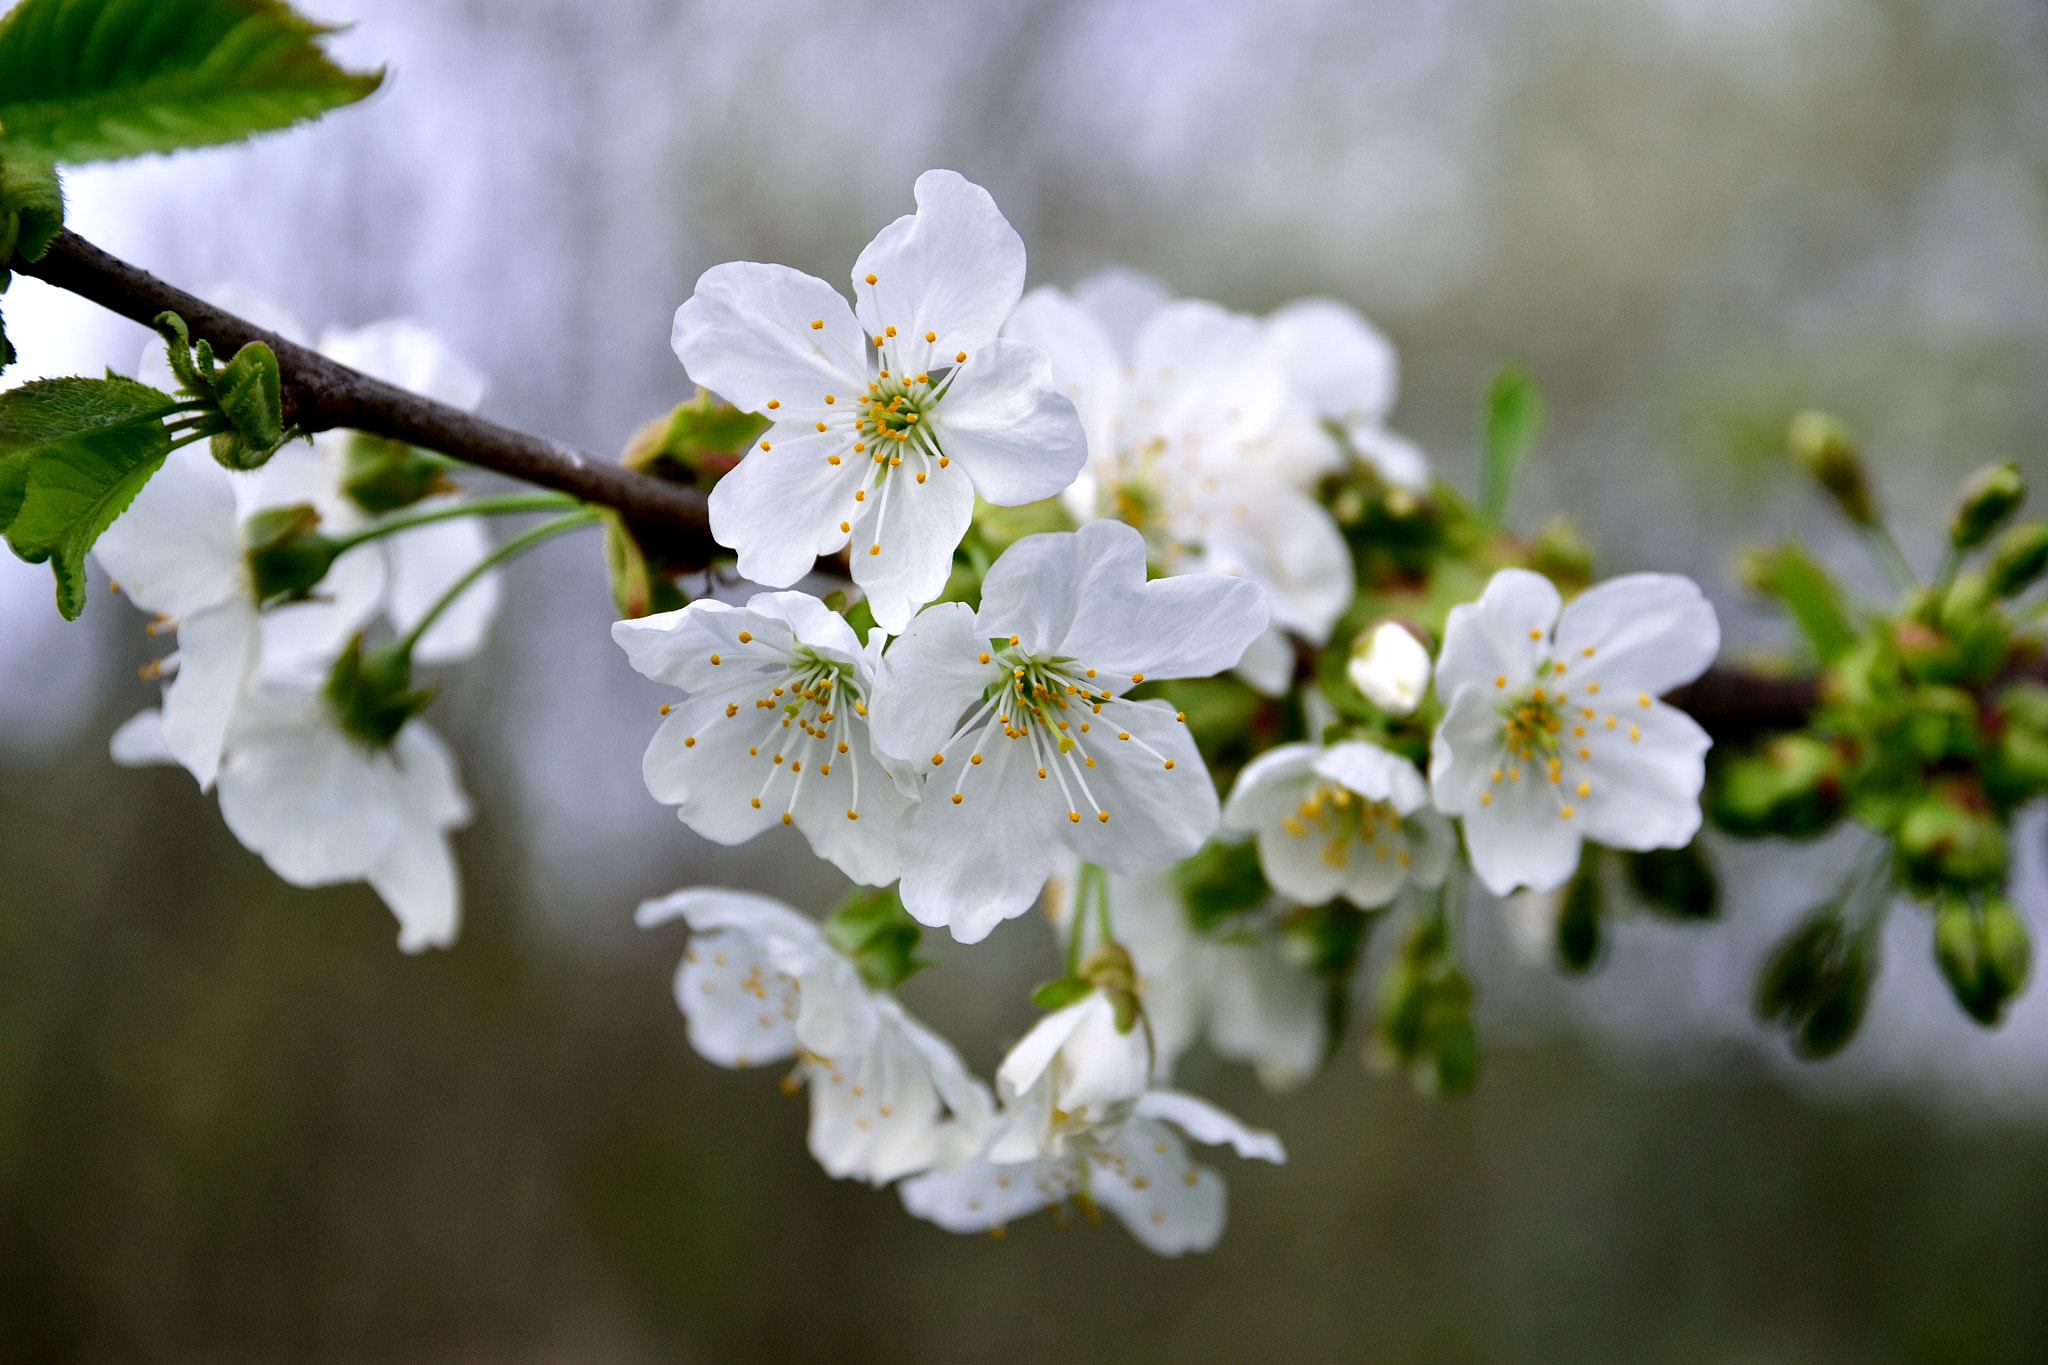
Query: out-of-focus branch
{"points": [[1733, 703], [320, 394]]}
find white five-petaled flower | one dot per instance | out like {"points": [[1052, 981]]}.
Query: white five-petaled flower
{"points": [[1553, 731], [775, 727], [1016, 720], [890, 416], [1350, 820], [761, 982], [1239, 991], [177, 551], [1199, 439], [1137, 1168], [1348, 373]]}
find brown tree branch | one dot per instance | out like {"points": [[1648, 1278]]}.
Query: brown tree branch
{"points": [[320, 395]]}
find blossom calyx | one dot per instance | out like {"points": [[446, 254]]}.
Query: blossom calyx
{"points": [[287, 555], [1991, 495], [874, 932], [372, 692], [380, 475]]}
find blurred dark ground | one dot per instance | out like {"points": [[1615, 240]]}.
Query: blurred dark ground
{"points": [[236, 1124]]}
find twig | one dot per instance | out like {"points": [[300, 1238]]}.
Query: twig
{"points": [[320, 394]]}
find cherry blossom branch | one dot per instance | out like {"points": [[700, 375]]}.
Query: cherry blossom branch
{"points": [[320, 394]]}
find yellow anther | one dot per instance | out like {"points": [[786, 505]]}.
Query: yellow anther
{"points": [[842, 746], [1634, 734], [732, 708], [1041, 774], [937, 759], [889, 331], [1123, 734], [764, 445], [1501, 681], [714, 659], [974, 758], [1073, 817], [746, 637], [956, 798], [846, 526], [871, 279], [829, 400], [1567, 812], [1013, 639], [1592, 687], [1169, 765], [961, 358], [1585, 753], [785, 817], [818, 324], [825, 768], [1102, 817], [920, 476], [1585, 788], [925, 378], [1587, 651], [664, 708], [753, 752], [931, 336], [860, 447], [945, 460], [860, 495], [821, 426], [1486, 798], [984, 656], [831, 459], [853, 815], [1016, 673], [757, 803], [874, 549], [774, 403], [778, 759], [1535, 634], [1642, 699]]}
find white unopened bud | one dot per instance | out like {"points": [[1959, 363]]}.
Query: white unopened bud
{"points": [[1390, 666]]}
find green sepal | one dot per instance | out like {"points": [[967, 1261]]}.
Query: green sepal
{"points": [[1060, 992], [878, 934], [286, 554], [1675, 881], [637, 589], [7, 356], [1817, 984], [1108, 968], [1220, 881], [90, 80], [1422, 1022], [859, 614], [372, 693], [1579, 914], [1989, 496], [382, 476], [1789, 574], [73, 455], [1514, 417], [1983, 952]]}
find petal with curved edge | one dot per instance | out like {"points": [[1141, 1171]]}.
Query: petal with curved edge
{"points": [[1266, 1011], [310, 800], [931, 679], [1203, 372], [1028, 1058], [1003, 422], [1432, 843], [1645, 777], [1465, 751], [301, 639], [417, 878], [1283, 541], [954, 268], [1044, 585], [1086, 366], [1375, 774], [1642, 632], [177, 548], [1341, 364], [1190, 626], [1393, 457], [714, 781], [1502, 635], [746, 334], [973, 865], [1267, 664], [1269, 787], [139, 743], [1122, 300], [217, 653], [1521, 837], [1207, 1124], [1157, 813], [741, 1008], [901, 551], [780, 505], [982, 1195], [1167, 1202]]}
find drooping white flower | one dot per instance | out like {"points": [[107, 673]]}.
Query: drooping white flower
{"points": [[1239, 992], [1390, 668], [178, 551], [1074, 1071], [1014, 718], [1350, 820], [889, 417], [1197, 438], [774, 727], [761, 982], [1348, 372], [1553, 731], [324, 807], [1138, 1169]]}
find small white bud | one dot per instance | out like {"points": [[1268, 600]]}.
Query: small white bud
{"points": [[1390, 666]]}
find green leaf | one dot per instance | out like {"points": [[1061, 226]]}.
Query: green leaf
{"points": [[73, 453], [31, 211], [1514, 415], [1061, 992], [7, 356], [92, 80], [1789, 574]]}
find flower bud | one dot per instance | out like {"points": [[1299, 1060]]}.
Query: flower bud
{"points": [[1951, 838], [1983, 952], [1823, 448], [1579, 939], [1674, 881], [1390, 667], [286, 553], [1817, 984], [2018, 559], [1991, 495], [1792, 787]]}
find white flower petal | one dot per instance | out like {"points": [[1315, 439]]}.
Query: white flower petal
{"points": [[1003, 422], [741, 1008], [1521, 837], [177, 549], [1266, 1011], [1394, 458], [973, 865], [1029, 1057], [931, 681], [217, 654], [1465, 751], [1168, 1203], [1269, 787], [1500, 636], [955, 268], [1122, 300], [746, 334], [1374, 773], [1267, 664], [417, 878], [411, 355], [301, 639], [1157, 815], [778, 506], [901, 550], [1286, 543], [1645, 777], [139, 743], [423, 564], [713, 781], [1643, 632], [982, 1194], [1043, 584], [1086, 366], [314, 803], [1341, 364], [1207, 1124]]}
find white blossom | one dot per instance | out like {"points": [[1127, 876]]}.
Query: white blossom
{"points": [[1239, 992], [1349, 374], [1197, 438], [890, 417], [1075, 1070], [1016, 723], [760, 983], [1350, 820], [774, 727], [1553, 732], [1138, 1169], [1390, 668]]}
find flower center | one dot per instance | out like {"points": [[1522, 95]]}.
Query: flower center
{"points": [[818, 698], [1338, 815], [1531, 723]]}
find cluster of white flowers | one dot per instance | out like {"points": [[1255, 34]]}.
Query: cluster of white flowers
{"points": [[987, 754]]}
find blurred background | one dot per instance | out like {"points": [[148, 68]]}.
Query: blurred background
{"points": [[235, 1124]]}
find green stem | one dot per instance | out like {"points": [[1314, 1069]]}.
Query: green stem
{"points": [[520, 543], [476, 507], [1102, 905], [1083, 881], [1451, 902], [1951, 561], [1890, 556]]}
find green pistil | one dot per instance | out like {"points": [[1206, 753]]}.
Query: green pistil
{"points": [[1533, 721]]}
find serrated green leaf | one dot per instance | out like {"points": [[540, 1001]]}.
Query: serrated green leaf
{"points": [[73, 454], [1514, 416], [92, 80], [31, 211]]}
